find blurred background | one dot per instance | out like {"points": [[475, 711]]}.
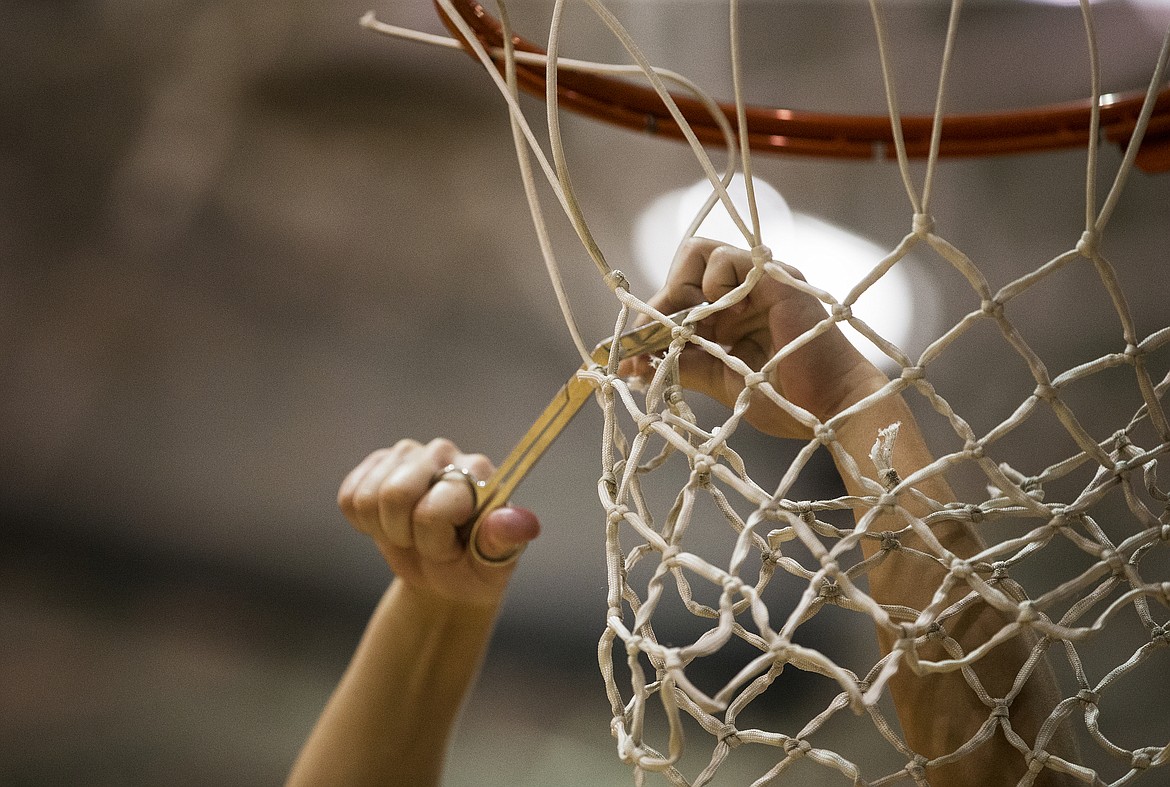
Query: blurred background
{"points": [[243, 244]]}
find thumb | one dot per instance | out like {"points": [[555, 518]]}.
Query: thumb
{"points": [[506, 530], [698, 371], [704, 374]]}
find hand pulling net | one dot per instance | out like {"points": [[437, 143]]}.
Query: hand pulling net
{"points": [[650, 428]]}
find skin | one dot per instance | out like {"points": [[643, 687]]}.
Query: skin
{"points": [[391, 715], [389, 719], [828, 375]]}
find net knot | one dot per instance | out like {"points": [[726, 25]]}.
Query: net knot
{"points": [[1088, 696], [1001, 710], [975, 513], [1143, 758], [730, 735], [830, 592], [825, 435], [1037, 760], [908, 633], [1132, 352], [670, 554], [991, 307], [780, 650], [888, 501], [1087, 245], [617, 513], [917, 767], [973, 449], [936, 631], [923, 224], [1113, 560], [1028, 614], [999, 571], [912, 373], [1030, 484], [961, 568], [1045, 391], [795, 747], [647, 420], [842, 312], [673, 395], [890, 541], [761, 255], [616, 280], [702, 464], [1160, 634], [682, 332], [731, 584], [634, 645], [754, 379]]}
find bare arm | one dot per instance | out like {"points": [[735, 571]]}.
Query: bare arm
{"points": [[389, 719], [939, 712], [826, 376]]}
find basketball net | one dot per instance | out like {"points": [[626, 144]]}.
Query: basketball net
{"points": [[649, 428]]}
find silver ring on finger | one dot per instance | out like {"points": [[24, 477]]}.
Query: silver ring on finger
{"points": [[474, 485], [470, 530]]}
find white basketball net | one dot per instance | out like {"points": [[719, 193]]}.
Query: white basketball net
{"points": [[651, 430]]}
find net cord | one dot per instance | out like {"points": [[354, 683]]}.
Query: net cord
{"points": [[1011, 495], [370, 21], [1135, 142], [626, 40], [745, 151], [1094, 113]]}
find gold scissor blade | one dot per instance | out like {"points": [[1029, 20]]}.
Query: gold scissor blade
{"points": [[652, 337]]}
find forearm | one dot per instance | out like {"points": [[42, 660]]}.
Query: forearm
{"points": [[389, 719], [940, 712]]}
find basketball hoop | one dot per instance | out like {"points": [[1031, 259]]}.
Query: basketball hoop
{"points": [[802, 133]]}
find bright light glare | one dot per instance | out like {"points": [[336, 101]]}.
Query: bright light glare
{"points": [[831, 258]]}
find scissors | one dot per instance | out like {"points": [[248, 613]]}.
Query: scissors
{"points": [[493, 493]]}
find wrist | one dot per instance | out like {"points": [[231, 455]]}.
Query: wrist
{"points": [[863, 380], [438, 605]]}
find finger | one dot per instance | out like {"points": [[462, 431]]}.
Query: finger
{"points": [[448, 505], [683, 288], [349, 485], [726, 269], [506, 530], [367, 480], [402, 489], [703, 373], [684, 283]]}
